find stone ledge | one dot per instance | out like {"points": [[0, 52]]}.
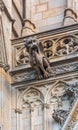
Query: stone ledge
{"points": [[24, 84], [44, 34]]}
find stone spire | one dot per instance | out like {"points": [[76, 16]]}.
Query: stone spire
{"points": [[3, 55]]}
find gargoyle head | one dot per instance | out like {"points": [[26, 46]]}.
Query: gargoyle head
{"points": [[31, 44]]}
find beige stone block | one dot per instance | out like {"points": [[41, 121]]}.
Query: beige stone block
{"points": [[42, 7], [56, 3], [43, 1], [33, 10], [37, 16], [41, 23], [55, 19], [75, 0], [77, 6], [53, 12], [35, 2]]}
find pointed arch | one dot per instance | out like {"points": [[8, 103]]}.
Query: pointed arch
{"points": [[25, 95], [56, 84]]}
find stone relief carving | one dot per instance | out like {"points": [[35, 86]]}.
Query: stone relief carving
{"points": [[60, 116], [22, 56], [62, 97], [58, 100], [51, 48], [62, 46], [37, 58], [32, 98]]}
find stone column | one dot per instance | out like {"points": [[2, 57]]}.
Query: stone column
{"points": [[32, 118], [18, 124], [28, 27], [46, 106]]}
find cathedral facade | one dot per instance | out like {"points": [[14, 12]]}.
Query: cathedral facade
{"points": [[38, 65]]}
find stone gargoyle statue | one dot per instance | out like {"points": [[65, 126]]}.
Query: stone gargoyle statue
{"points": [[60, 116], [37, 58]]}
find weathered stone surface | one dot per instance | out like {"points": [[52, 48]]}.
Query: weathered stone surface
{"points": [[43, 1], [53, 12], [54, 4], [37, 16], [42, 7], [55, 19], [30, 105]]}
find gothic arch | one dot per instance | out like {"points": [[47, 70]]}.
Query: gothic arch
{"points": [[54, 100], [54, 86], [24, 97]]}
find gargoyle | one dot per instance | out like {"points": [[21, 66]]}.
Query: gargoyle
{"points": [[37, 58], [60, 116], [70, 92]]}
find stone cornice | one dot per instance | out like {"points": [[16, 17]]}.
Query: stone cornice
{"points": [[64, 66], [65, 77], [63, 30]]}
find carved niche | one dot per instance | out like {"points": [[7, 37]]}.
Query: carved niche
{"points": [[31, 103], [37, 58]]}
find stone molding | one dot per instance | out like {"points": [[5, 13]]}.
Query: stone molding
{"points": [[3, 54]]}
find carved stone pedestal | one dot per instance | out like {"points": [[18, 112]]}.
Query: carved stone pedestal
{"points": [[70, 17], [28, 28]]}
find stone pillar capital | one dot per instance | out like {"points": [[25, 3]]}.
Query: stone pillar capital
{"points": [[32, 109], [46, 106], [17, 110]]}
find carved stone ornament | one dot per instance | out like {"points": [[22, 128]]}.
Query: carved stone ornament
{"points": [[31, 98], [51, 48], [22, 56], [61, 99], [62, 46], [37, 58], [60, 116]]}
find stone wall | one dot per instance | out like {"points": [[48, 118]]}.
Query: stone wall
{"points": [[20, 108], [48, 14], [5, 101]]}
